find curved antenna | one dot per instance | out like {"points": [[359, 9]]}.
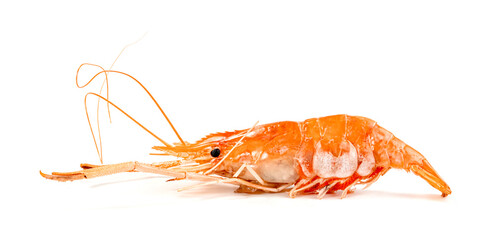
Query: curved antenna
{"points": [[100, 153], [107, 87], [126, 46], [150, 95], [126, 114], [101, 89], [97, 108]]}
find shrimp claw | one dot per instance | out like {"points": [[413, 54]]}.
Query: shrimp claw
{"points": [[92, 171]]}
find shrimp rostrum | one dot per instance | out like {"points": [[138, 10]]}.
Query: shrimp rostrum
{"points": [[316, 156]]}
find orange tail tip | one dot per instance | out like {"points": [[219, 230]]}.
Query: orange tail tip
{"points": [[425, 171], [416, 162]]}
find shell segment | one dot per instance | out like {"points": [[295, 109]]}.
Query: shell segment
{"points": [[327, 165]]}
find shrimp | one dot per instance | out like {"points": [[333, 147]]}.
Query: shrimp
{"points": [[316, 156]]}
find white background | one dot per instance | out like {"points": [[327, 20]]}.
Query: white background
{"points": [[422, 69]]}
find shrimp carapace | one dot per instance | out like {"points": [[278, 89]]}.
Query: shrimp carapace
{"points": [[316, 156]]}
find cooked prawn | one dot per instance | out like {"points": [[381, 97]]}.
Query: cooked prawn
{"points": [[315, 156]]}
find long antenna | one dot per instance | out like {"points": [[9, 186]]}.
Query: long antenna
{"points": [[126, 114], [106, 82], [126, 46]]}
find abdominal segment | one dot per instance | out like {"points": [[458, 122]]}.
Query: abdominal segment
{"points": [[327, 165], [343, 164], [341, 147]]}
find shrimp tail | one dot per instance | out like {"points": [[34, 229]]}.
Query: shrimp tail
{"points": [[416, 163], [392, 152]]}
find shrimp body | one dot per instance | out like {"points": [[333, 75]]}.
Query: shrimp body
{"points": [[316, 156]]}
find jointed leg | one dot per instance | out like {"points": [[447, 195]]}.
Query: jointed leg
{"points": [[240, 169], [358, 180], [325, 189], [92, 171], [348, 189], [299, 187], [374, 177], [256, 176], [193, 168], [238, 181]]}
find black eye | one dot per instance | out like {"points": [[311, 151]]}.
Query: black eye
{"points": [[215, 152]]}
